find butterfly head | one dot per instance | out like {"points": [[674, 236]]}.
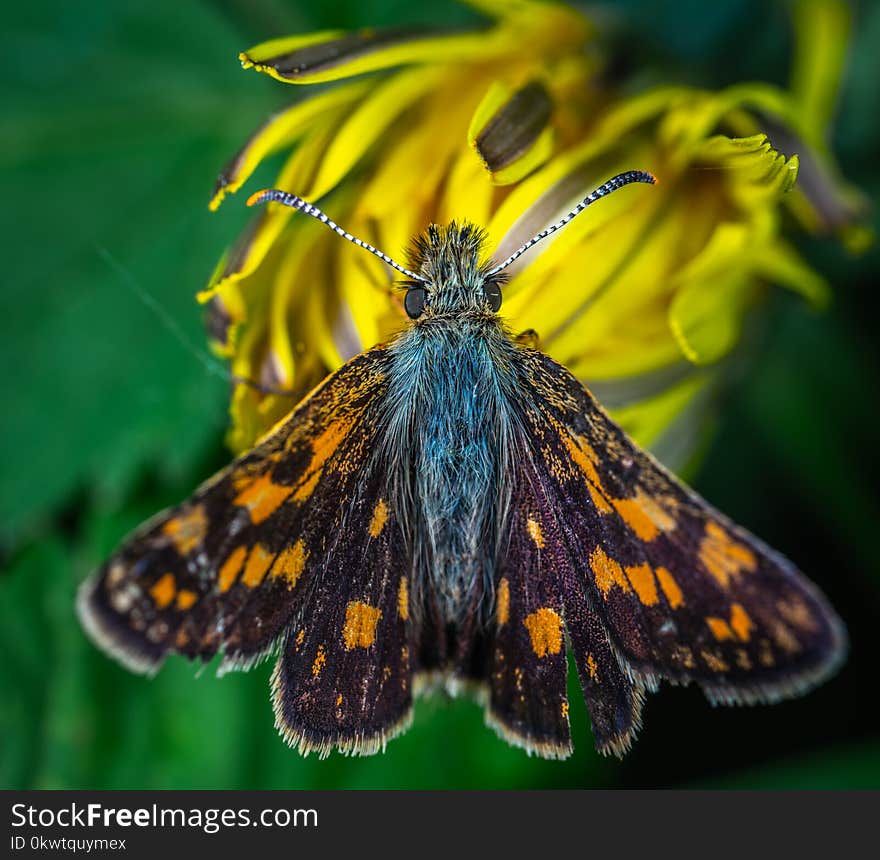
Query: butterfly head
{"points": [[452, 279], [449, 278]]}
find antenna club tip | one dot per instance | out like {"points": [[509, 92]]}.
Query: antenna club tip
{"points": [[644, 176], [258, 196]]}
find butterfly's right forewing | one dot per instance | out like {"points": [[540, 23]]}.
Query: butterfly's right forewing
{"points": [[228, 570]]}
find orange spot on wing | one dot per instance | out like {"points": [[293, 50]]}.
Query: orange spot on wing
{"points": [[563, 709], [323, 448], [403, 599], [645, 515], [738, 627], [545, 631], [258, 563], [163, 590], [585, 458], [187, 530], [320, 661], [657, 510], [380, 517], [534, 528], [740, 622], [305, 488], [670, 587], [290, 563], [642, 580], [359, 630], [635, 516], [262, 497], [502, 610], [592, 667], [719, 627], [723, 557], [185, 599], [607, 572], [230, 568]]}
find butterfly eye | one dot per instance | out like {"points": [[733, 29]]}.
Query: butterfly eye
{"points": [[493, 295], [414, 303]]}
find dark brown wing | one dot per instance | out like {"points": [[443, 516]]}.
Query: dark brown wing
{"points": [[228, 569], [679, 590], [527, 662], [343, 679]]}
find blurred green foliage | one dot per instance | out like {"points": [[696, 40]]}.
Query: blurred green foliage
{"points": [[116, 118]]}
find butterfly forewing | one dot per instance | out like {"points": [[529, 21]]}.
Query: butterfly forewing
{"points": [[683, 593]]}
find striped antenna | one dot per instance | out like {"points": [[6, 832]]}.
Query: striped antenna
{"points": [[611, 185], [274, 195]]}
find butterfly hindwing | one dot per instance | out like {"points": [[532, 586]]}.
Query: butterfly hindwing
{"points": [[229, 568], [343, 678], [527, 673], [683, 593], [541, 606]]}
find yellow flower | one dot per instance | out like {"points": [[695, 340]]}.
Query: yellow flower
{"points": [[507, 126]]}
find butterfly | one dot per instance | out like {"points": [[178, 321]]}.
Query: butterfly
{"points": [[454, 510]]}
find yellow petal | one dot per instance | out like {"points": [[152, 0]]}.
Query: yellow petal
{"points": [[780, 264], [369, 121], [688, 124], [249, 249], [467, 193], [510, 130], [223, 319], [297, 175], [335, 54], [415, 161], [706, 313], [279, 131], [620, 247], [649, 420], [531, 160], [755, 174], [538, 200]]}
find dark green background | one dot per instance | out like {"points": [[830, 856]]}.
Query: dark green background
{"points": [[116, 118]]}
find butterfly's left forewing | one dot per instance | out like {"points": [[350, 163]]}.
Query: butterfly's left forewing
{"points": [[656, 583]]}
